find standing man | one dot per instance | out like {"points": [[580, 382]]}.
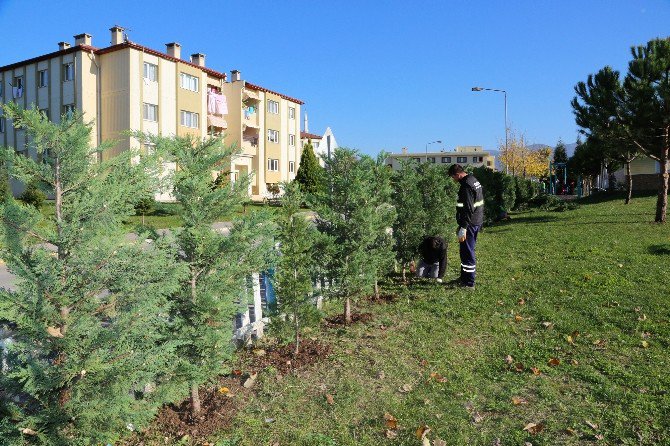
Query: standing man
{"points": [[469, 216]]}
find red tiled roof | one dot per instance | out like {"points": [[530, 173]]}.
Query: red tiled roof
{"points": [[259, 88], [86, 48], [304, 135]]}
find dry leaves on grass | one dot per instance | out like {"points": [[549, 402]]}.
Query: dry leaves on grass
{"points": [[422, 434], [554, 362], [405, 388], [535, 371], [329, 399], [437, 377], [249, 383], [516, 400], [391, 421], [534, 428]]}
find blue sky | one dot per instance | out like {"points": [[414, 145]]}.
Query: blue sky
{"points": [[381, 74]]}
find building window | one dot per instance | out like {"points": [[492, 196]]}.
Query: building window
{"points": [[68, 110], [488, 163], [291, 140], [446, 159], [45, 112], [18, 83], [430, 159], [151, 112], [151, 72], [273, 136], [418, 160], [273, 165], [188, 82], [315, 145], [2, 125], [474, 159], [462, 159], [291, 166], [190, 119], [273, 107], [43, 78], [1, 89], [68, 71], [291, 113], [481, 159]]}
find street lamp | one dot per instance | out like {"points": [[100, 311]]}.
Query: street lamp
{"points": [[505, 93], [429, 143]]}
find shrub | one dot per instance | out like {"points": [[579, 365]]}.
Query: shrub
{"points": [[33, 196]]}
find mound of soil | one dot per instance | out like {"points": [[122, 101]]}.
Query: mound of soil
{"points": [[338, 320], [383, 298], [282, 359]]}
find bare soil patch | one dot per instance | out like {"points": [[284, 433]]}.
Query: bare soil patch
{"points": [[338, 320], [282, 359]]}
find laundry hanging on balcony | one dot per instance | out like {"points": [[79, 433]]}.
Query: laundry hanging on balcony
{"points": [[216, 103], [17, 92]]}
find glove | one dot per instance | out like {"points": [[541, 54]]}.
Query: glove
{"points": [[439, 280], [461, 234]]}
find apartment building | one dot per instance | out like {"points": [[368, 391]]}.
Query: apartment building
{"points": [[474, 156], [127, 86]]}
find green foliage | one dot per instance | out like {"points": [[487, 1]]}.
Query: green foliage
{"points": [[525, 190], [439, 195], [33, 195], [353, 215], [310, 173], [218, 264], [5, 187], [560, 154], [408, 229], [93, 353], [499, 192], [144, 205], [295, 268]]}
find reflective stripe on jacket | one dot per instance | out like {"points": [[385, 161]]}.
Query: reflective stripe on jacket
{"points": [[470, 204]]}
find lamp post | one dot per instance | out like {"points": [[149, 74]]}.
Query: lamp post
{"points": [[505, 93], [429, 143]]}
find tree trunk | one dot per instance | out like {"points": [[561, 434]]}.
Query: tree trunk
{"points": [[629, 183], [347, 311], [295, 317], [404, 269], [195, 400], [662, 202], [376, 288]]}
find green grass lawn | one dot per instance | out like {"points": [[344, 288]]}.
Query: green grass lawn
{"points": [[587, 287]]}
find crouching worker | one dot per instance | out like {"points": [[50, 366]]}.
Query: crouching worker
{"points": [[433, 262]]}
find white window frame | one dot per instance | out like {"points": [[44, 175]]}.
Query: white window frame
{"points": [[291, 166], [189, 119], [68, 71], [189, 82], [446, 160], [291, 140], [273, 165], [43, 78], [151, 71], [461, 159], [291, 113], [150, 112], [69, 109], [475, 159], [18, 81], [273, 107], [2, 124], [273, 135]]}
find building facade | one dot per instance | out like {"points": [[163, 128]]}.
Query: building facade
{"points": [[126, 86], [323, 145], [474, 156], [645, 172]]}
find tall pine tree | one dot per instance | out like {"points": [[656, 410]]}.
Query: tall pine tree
{"points": [[93, 354], [408, 229], [310, 173]]}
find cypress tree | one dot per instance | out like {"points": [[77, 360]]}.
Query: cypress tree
{"points": [[92, 355], [439, 195], [310, 173], [408, 229], [218, 265]]}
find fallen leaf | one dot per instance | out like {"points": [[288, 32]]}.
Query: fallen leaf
{"points": [[535, 371], [516, 400], [547, 324], [570, 341], [329, 399], [381, 375], [554, 362], [250, 381], [391, 421], [593, 426], [509, 359], [269, 420], [438, 442], [259, 352], [391, 434], [224, 390], [55, 332], [28, 431], [645, 344], [423, 363], [437, 377], [422, 431], [237, 372], [642, 318], [521, 301], [574, 362], [570, 431], [518, 318], [518, 367], [600, 437], [620, 265], [477, 418], [405, 388], [534, 428]]}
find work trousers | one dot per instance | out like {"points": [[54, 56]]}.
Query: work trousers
{"points": [[467, 251]]}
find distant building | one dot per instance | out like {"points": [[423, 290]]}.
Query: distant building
{"points": [[323, 145], [645, 172], [474, 156]]}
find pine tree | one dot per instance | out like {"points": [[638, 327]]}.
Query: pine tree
{"points": [[408, 229], [93, 354], [560, 154], [218, 264], [295, 267], [439, 195], [310, 173], [348, 215]]}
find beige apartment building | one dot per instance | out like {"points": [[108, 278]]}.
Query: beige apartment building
{"points": [[474, 156], [126, 86]]}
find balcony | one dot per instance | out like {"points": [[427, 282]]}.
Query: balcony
{"points": [[250, 142]]}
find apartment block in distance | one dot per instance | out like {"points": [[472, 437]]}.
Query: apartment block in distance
{"points": [[474, 156], [126, 86]]}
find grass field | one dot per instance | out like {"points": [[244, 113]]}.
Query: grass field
{"points": [[568, 329]]}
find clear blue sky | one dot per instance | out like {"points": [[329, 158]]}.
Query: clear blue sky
{"points": [[381, 74]]}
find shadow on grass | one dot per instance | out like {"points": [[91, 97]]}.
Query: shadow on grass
{"points": [[660, 250], [531, 219], [602, 197]]}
